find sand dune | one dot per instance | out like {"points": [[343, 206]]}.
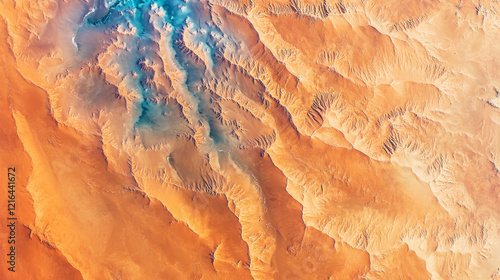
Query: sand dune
{"points": [[233, 139]]}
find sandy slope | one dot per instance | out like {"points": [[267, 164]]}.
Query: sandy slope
{"points": [[218, 139]]}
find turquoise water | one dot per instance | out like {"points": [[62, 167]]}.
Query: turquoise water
{"points": [[108, 14]]}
